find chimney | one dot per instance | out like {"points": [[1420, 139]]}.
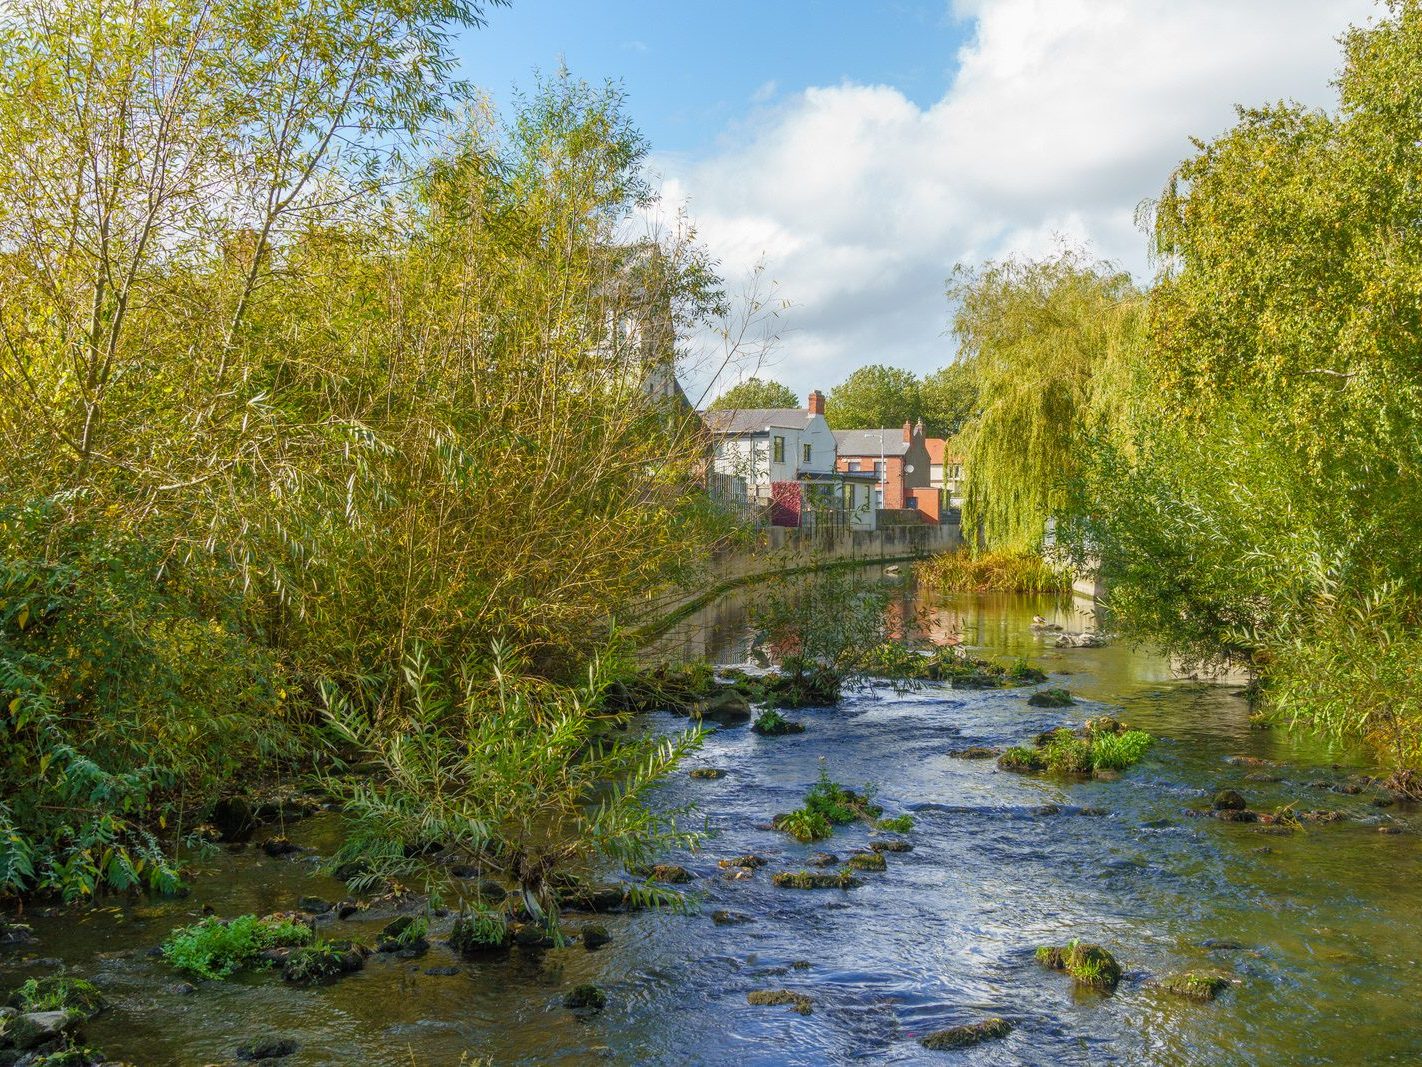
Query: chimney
{"points": [[918, 428], [816, 403], [908, 432]]}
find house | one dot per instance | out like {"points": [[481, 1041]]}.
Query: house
{"points": [[899, 462], [945, 473], [786, 459]]}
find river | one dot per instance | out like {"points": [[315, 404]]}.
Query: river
{"points": [[1326, 922]]}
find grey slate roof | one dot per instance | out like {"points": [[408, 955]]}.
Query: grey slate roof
{"points": [[755, 420], [870, 442]]}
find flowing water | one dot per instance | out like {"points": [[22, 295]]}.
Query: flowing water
{"points": [[1326, 923]]}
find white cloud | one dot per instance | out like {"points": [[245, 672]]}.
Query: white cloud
{"points": [[1063, 115]]}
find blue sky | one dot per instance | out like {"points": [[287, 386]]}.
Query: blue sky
{"points": [[856, 152], [691, 70]]}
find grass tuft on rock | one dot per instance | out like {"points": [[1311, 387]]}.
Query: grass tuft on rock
{"points": [[815, 880], [899, 824], [217, 948], [1090, 965]]}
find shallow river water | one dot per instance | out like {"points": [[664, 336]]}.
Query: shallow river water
{"points": [[1327, 922]]}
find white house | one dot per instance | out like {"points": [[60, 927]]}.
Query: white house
{"points": [[786, 457]]}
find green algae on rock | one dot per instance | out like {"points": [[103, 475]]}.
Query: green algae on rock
{"points": [[1195, 985], [1090, 965], [966, 1036], [798, 1002], [815, 880]]}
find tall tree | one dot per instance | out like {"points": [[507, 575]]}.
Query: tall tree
{"points": [[756, 393], [949, 398], [874, 396], [1046, 342]]}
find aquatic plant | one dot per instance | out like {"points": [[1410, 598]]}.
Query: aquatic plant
{"points": [[993, 572], [216, 948], [838, 804], [815, 880], [1091, 965], [75, 995], [770, 723], [480, 930], [1117, 751], [804, 825], [321, 961], [1065, 753], [899, 824], [1021, 759]]}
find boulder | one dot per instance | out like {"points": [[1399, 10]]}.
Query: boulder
{"points": [[1229, 800], [585, 998], [595, 935], [1055, 697], [1090, 965], [36, 1028], [725, 708], [1195, 985], [821, 859], [234, 819]]}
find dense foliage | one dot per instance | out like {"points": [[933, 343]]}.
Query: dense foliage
{"points": [[1240, 450], [756, 393], [307, 366]]}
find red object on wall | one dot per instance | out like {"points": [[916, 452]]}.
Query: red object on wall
{"points": [[786, 503]]}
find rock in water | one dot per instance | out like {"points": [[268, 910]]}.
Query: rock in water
{"points": [[726, 708], [966, 1036]]}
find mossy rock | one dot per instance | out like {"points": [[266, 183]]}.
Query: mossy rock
{"points": [[1235, 815], [1104, 724], [397, 935], [868, 861], [474, 935], [1021, 759], [666, 873], [821, 859], [721, 917], [594, 935], [966, 1036], [602, 897], [815, 880], [707, 773], [773, 724], [1229, 800], [798, 1002], [725, 708], [1090, 965], [1051, 698], [78, 996], [322, 962], [1195, 985], [976, 752], [891, 844], [750, 859], [585, 998]]}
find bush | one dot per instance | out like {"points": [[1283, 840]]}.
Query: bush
{"points": [[217, 948], [74, 995]]}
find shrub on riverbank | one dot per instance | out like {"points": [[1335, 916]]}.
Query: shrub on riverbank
{"points": [[993, 572], [268, 458]]}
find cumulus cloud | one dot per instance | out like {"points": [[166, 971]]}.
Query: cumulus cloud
{"points": [[1062, 116]]}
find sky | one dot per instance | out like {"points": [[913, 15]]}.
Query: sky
{"points": [[857, 151]]}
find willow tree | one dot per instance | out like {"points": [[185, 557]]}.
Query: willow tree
{"points": [[1052, 345]]}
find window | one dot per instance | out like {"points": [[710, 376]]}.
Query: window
{"points": [[805, 453], [879, 469], [778, 447]]}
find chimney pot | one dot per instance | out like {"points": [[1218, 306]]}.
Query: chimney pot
{"points": [[816, 403]]}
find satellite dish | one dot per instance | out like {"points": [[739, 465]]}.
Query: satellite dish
{"points": [[908, 468]]}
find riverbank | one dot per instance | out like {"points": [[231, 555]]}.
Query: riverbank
{"points": [[1314, 928]]}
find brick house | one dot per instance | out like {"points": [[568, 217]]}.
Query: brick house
{"points": [[899, 461], [785, 458]]}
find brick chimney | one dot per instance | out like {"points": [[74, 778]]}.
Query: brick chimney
{"points": [[816, 403], [908, 432]]}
